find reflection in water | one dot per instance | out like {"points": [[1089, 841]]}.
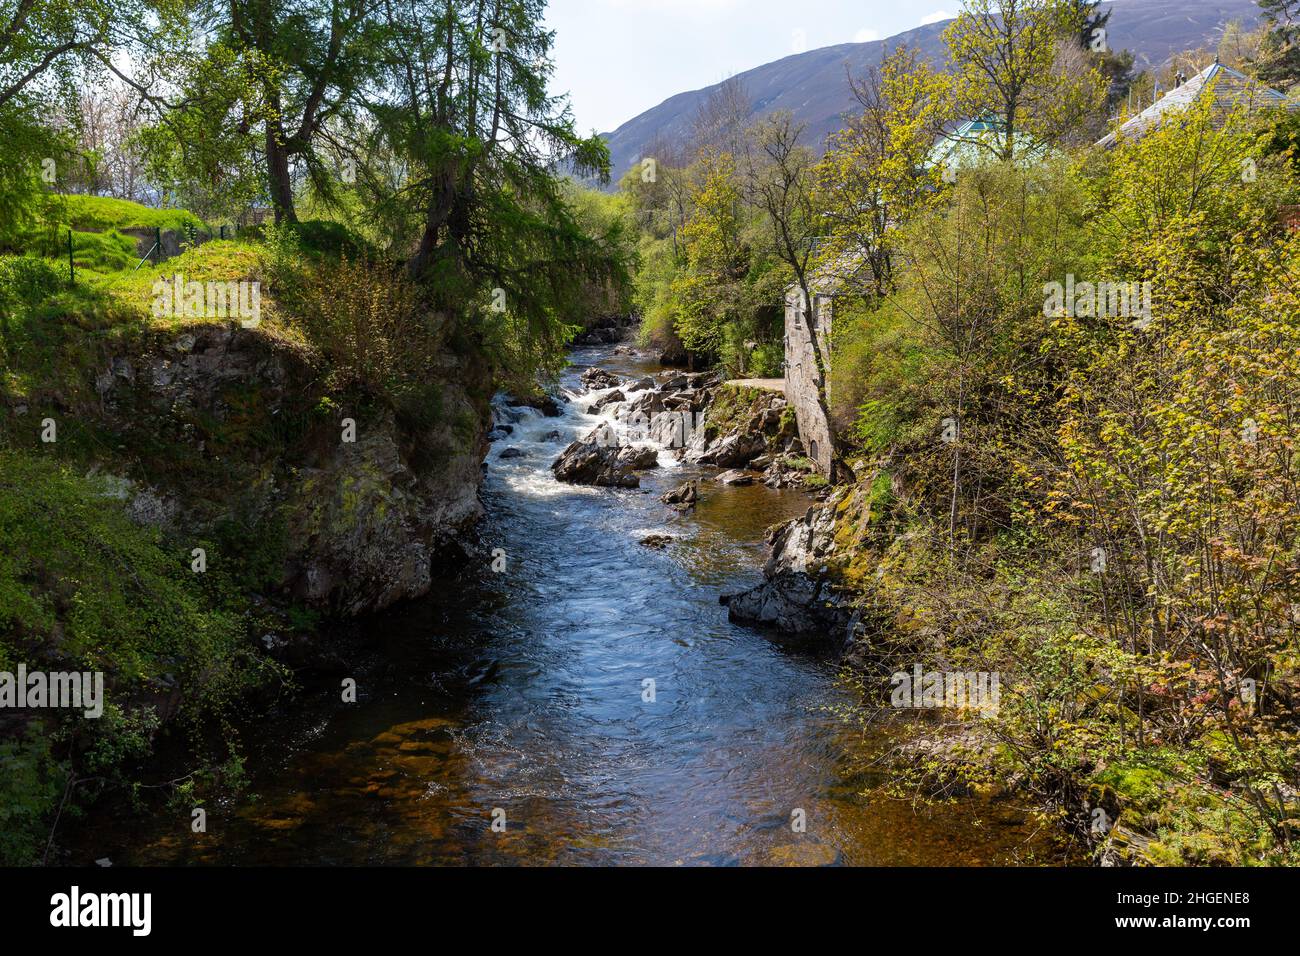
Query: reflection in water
{"points": [[525, 692]]}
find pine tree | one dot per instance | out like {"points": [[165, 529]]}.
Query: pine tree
{"points": [[1281, 64]]}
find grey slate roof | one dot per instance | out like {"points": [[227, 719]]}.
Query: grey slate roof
{"points": [[1229, 88]]}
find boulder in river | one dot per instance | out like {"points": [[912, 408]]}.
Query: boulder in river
{"points": [[638, 458], [646, 405], [657, 541], [613, 398], [684, 495], [735, 451], [797, 596], [546, 404], [735, 477], [597, 378], [590, 461], [513, 452]]}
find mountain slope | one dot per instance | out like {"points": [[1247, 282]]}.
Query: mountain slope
{"points": [[813, 85]]}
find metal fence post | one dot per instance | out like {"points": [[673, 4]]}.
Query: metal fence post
{"points": [[157, 243]]}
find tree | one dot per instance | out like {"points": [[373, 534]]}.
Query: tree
{"points": [[722, 120], [44, 46], [311, 56], [1181, 466], [875, 173], [109, 122], [1116, 66], [1281, 62], [708, 289], [783, 182], [202, 149], [1013, 67], [465, 111]]}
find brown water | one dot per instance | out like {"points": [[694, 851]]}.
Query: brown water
{"points": [[523, 692]]}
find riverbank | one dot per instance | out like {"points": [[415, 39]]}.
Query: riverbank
{"points": [[185, 497], [523, 690]]}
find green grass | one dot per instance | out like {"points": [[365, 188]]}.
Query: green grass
{"points": [[101, 213], [98, 251], [98, 225]]}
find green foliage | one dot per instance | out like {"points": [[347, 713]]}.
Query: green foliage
{"points": [[26, 279], [1281, 61], [31, 782], [1170, 445], [114, 596], [1006, 64], [712, 283], [84, 589], [332, 238]]}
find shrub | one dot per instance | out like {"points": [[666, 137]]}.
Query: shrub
{"points": [[364, 317], [84, 589]]}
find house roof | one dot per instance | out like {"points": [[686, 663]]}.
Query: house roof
{"points": [[973, 141], [830, 274], [1229, 88]]}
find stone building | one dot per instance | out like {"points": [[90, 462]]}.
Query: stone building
{"points": [[804, 380]]}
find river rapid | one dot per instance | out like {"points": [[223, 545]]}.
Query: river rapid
{"points": [[522, 696]]}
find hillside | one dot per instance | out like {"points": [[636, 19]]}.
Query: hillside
{"points": [[812, 84]]}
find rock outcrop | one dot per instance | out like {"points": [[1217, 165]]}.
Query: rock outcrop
{"points": [[798, 596], [606, 330], [740, 424], [360, 503]]}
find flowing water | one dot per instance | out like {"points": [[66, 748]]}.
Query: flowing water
{"points": [[522, 696]]}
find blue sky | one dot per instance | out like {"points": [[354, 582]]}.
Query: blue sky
{"points": [[618, 58]]}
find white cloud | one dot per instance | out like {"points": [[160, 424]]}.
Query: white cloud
{"points": [[866, 36], [937, 16]]}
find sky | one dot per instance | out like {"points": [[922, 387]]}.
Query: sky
{"points": [[618, 58]]}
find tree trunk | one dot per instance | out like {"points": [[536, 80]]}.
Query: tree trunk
{"points": [[277, 171]]}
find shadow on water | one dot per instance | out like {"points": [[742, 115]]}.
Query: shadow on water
{"points": [[526, 692]]}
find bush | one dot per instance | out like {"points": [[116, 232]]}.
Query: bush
{"points": [[365, 319], [84, 589], [333, 238], [26, 280]]}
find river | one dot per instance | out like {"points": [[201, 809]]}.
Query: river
{"points": [[522, 697]]}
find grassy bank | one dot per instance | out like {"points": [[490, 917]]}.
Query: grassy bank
{"points": [[89, 583]]}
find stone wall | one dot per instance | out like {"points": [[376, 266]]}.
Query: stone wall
{"points": [[803, 380]]}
